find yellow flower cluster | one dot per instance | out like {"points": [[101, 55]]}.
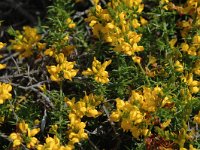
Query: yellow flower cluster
{"points": [[5, 90], [178, 66], [197, 118], [53, 144], [133, 113], [130, 117], [26, 41], [193, 84], [196, 68], [150, 99], [2, 45], [70, 23], [2, 66], [83, 107], [26, 135], [192, 49], [76, 131], [64, 69], [117, 26], [190, 8], [98, 70], [66, 49]]}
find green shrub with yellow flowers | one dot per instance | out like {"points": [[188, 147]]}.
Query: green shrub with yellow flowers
{"points": [[103, 74]]}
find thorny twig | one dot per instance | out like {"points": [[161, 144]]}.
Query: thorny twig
{"points": [[18, 69], [9, 57], [18, 75], [111, 122], [33, 88], [112, 125], [91, 143]]}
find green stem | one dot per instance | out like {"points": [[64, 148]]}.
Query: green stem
{"points": [[146, 77], [61, 102], [61, 91]]}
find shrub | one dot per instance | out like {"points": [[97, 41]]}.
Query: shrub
{"points": [[118, 74]]}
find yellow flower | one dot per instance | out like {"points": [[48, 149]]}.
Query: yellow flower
{"points": [[60, 58], [172, 42], [17, 140], [164, 1], [126, 124], [115, 116], [196, 40], [23, 126], [135, 23], [119, 103], [33, 132], [49, 52], [136, 59], [41, 46], [68, 20], [194, 89], [2, 66], [140, 7], [178, 66], [26, 41], [36, 122], [191, 147], [166, 124], [196, 68], [53, 144], [54, 71], [92, 113], [92, 23], [192, 51], [2, 45], [110, 25], [135, 132], [32, 143], [69, 72], [98, 70], [197, 118], [165, 101], [5, 90], [13, 136], [54, 128], [135, 115], [184, 47], [43, 88], [143, 21], [63, 67], [135, 96], [152, 59], [70, 23], [95, 2], [75, 140]]}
